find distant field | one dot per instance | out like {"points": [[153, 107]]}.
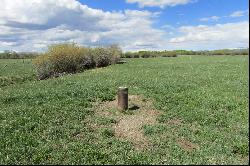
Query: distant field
{"points": [[202, 118], [15, 70], [15, 67]]}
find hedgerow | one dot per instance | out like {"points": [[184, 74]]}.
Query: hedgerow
{"points": [[71, 58]]}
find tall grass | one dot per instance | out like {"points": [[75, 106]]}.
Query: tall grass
{"points": [[71, 58]]}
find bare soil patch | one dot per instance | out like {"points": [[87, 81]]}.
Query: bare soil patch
{"points": [[175, 122], [187, 145], [130, 123]]}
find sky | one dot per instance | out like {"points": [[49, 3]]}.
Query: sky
{"points": [[32, 25]]}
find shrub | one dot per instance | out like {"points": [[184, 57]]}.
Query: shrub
{"points": [[106, 56], [102, 57], [66, 57], [116, 53], [70, 58], [44, 67], [87, 62]]}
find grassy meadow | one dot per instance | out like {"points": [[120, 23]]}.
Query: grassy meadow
{"points": [[202, 100], [15, 71]]}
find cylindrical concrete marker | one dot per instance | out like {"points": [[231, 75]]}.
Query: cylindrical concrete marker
{"points": [[123, 98]]}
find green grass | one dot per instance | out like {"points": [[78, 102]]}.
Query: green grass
{"points": [[15, 71], [47, 122]]}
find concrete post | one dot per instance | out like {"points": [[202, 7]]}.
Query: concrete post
{"points": [[123, 98]]}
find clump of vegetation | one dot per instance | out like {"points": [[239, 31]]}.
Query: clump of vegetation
{"points": [[71, 58], [5, 81], [106, 132], [241, 149]]}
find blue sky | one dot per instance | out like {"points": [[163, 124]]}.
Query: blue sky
{"points": [[188, 14], [32, 25]]}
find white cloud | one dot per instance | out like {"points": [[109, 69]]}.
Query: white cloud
{"points": [[212, 37], [34, 24], [239, 13], [30, 25], [159, 3], [212, 18], [167, 27]]}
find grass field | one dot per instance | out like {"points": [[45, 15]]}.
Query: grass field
{"points": [[15, 71], [202, 103]]}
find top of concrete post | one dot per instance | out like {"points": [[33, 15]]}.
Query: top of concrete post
{"points": [[123, 88]]}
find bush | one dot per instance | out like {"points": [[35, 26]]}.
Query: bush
{"points": [[102, 57], [44, 67], [116, 53], [70, 58], [86, 63]]}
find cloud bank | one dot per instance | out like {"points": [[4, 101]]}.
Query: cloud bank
{"points": [[228, 35], [37, 23], [212, 18], [31, 25], [240, 13], [159, 3]]}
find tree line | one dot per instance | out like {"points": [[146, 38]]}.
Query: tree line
{"points": [[140, 54], [175, 53], [18, 55]]}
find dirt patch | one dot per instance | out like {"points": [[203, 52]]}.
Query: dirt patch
{"points": [[130, 127], [175, 122], [130, 123], [187, 145]]}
